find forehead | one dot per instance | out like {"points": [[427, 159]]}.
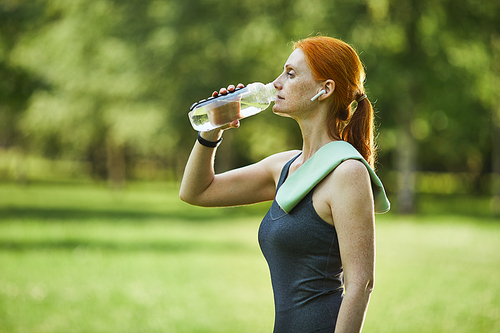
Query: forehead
{"points": [[297, 59]]}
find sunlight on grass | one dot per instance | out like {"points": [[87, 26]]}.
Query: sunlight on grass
{"points": [[86, 259], [436, 275]]}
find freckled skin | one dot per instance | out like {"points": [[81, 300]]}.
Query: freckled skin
{"points": [[296, 86]]}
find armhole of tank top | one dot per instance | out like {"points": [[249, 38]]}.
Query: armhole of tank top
{"points": [[285, 171]]}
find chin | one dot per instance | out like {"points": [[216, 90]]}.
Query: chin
{"points": [[276, 110], [280, 110], [281, 114]]}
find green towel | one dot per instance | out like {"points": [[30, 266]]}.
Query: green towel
{"points": [[327, 158]]}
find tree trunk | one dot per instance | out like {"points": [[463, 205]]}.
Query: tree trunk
{"points": [[115, 164], [495, 159], [495, 150], [406, 151], [21, 166], [406, 160]]}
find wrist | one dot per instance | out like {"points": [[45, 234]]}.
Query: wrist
{"points": [[210, 143], [213, 135]]}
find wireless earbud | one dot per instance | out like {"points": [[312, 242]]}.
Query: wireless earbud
{"points": [[318, 94]]}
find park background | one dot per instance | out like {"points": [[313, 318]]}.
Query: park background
{"points": [[94, 137]]}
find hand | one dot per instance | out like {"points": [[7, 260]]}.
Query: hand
{"points": [[230, 88], [224, 91]]}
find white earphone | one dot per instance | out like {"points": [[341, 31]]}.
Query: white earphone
{"points": [[318, 94]]}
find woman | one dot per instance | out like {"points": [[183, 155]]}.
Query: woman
{"points": [[327, 238]]}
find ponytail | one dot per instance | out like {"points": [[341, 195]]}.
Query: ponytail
{"points": [[360, 129]]}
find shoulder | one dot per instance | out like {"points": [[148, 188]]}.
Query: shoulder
{"points": [[275, 163], [351, 171], [347, 193], [279, 159], [347, 176], [349, 181], [282, 156], [344, 193]]}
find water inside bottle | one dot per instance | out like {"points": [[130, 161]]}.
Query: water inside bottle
{"points": [[214, 115]]}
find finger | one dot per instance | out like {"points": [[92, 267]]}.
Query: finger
{"points": [[231, 87], [215, 94], [233, 124], [223, 91], [240, 85]]}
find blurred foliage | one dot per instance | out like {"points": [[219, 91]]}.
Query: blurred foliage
{"points": [[109, 82]]}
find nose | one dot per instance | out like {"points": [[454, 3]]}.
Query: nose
{"points": [[277, 83]]}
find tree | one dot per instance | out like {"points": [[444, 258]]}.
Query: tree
{"points": [[417, 58], [17, 85], [97, 105], [119, 78]]}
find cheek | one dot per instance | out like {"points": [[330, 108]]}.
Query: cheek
{"points": [[298, 89], [302, 95], [305, 88], [298, 94]]}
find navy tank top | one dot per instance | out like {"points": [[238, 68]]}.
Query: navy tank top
{"points": [[303, 255]]}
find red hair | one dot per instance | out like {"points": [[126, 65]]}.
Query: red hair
{"points": [[331, 58]]}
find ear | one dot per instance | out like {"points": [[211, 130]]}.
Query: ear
{"points": [[329, 87]]}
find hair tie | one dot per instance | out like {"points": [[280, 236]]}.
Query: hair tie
{"points": [[362, 97]]}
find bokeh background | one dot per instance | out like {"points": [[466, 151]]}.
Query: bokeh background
{"points": [[94, 137]]}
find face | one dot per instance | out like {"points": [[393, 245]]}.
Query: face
{"points": [[295, 86]]}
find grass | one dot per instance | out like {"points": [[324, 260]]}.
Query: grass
{"points": [[86, 259]]}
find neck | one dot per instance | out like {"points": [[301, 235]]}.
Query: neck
{"points": [[315, 134]]}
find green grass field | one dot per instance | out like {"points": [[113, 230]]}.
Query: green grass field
{"points": [[81, 258]]}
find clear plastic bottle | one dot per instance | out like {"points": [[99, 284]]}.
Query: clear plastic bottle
{"points": [[216, 112]]}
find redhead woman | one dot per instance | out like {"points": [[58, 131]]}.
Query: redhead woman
{"points": [[321, 249]]}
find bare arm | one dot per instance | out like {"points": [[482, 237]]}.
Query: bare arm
{"points": [[353, 216], [251, 184]]}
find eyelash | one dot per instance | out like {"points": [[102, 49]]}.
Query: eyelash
{"points": [[289, 74]]}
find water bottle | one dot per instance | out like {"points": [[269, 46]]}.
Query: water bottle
{"points": [[215, 112]]}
